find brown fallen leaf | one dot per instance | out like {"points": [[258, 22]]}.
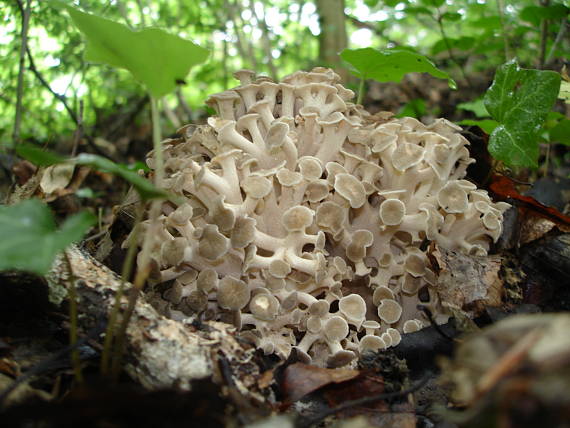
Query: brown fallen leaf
{"points": [[301, 379]]}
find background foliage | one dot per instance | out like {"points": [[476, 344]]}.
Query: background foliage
{"points": [[467, 39]]}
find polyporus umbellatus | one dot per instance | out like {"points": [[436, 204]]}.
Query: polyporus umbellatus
{"points": [[306, 217]]}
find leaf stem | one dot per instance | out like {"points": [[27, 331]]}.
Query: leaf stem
{"points": [[360, 92], [500, 8], [144, 260], [22, 69]]}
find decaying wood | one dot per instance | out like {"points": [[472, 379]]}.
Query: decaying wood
{"points": [[161, 353]]}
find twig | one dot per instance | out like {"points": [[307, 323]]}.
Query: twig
{"points": [[365, 400], [559, 37], [79, 130], [20, 89], [435, 325], [500, 8], [543, 37], [127, 269], [75, 359], [265, 40]]}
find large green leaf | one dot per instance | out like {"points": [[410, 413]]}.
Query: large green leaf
{"points": [[519, 100], [390, 65], [534, 14], [156, 58], [30, 239], [42, 157]]}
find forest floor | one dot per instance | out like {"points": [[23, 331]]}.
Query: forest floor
{"points": [[506, 367]]}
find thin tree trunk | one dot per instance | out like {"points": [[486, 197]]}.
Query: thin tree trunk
{"points": [[20, 89], [333, 37]]}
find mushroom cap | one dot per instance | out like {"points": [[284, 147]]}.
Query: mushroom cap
{"points": [[382, 292], [196, 301], [317, 190], [314, 324], [274, 284], [371, 343], [207, 280], [279, 268], [407, 155], [395, 335], [288, 178], [453, 198], [257, 187], [361, 240], [212, 244], [181, 215], [392, 212], [319, 308], [341, 358], [244, 76], [330, 216], [264, 306], [389, 311], [276, 135], [336, 328], [310, 167], [297, 218], [243, 232], [415, 264], [353, 307], [233, 293], [411, 326], [351, 189], [172, 251], [371, 324]]}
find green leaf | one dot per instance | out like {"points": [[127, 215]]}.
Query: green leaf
{"points": [[451, 16], [144, 187], [477, 107], [487, 125], [390, 65], [415, 108], [44, 158], [156, 58], [534, 14], [561, 132], [433, 3], [30, 239], [38, 156], [462, 43], [519, 100]]}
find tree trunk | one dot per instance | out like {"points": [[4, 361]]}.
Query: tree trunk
{"points": [[333, 38]]}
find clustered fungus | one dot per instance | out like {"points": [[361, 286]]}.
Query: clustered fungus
{"points": [[305, 218]]}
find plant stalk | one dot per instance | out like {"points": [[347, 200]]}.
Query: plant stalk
{"points": [[143, 268], [22, 70], [75, 359], [360, 92]]}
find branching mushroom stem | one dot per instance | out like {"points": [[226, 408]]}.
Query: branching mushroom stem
{"points": [[75, 360]]}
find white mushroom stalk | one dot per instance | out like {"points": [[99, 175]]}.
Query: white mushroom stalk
{"points": [[293, 196]]}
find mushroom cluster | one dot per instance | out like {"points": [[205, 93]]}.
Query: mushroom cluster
{"points": [[306, 219]]}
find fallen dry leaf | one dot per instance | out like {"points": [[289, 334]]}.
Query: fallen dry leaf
{"points": [[301, 379]]}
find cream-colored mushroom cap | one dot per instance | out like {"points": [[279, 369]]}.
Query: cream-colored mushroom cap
{"points": [[353, 307], [407, 155], [297, 218], [361, 239], [336, 328], [264, 306], [288, 178], [172, 252], [411, 326], [196, 300], [274, 284], [331, 216], [244, 76], [370, 325], [310, 168], [415, 265], [279, 268], [256, 187], [314, 324], [276, 135], [243, 232], [207, 280], [233, 293], [317, 190], [213, 244], [371, 343], [395, 335], [181, 215], [453, 198], [351, 189], [387, 339], [382, 292], [392, 212], [389, 311], [319, 308]]}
